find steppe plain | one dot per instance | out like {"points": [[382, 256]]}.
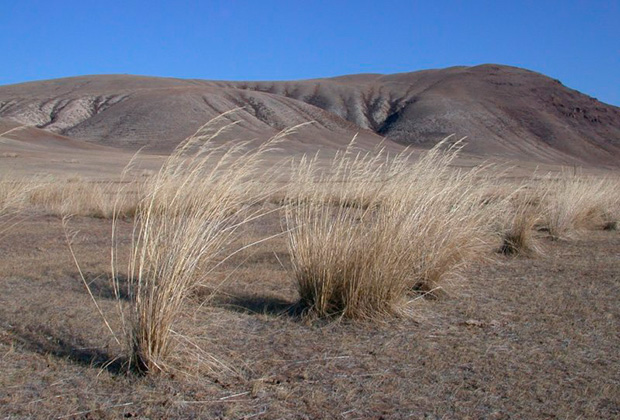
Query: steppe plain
{"points": [[509, 336]]}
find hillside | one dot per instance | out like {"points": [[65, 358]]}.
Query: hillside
{"points": [[504, 111]]}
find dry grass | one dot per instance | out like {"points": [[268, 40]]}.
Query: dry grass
{"points": [[562, 205], [523, 211], [575, 202], [76, 196], [184, 227], [517, 334], [12, 194], [12, 197], [372, 228], [364, 231], [71, 196]]}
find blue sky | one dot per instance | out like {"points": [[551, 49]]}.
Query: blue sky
{"points": [[577, 42]]}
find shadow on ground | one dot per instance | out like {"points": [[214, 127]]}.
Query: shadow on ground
{"points": [[101, 286], [260, 305], [47, 342]]}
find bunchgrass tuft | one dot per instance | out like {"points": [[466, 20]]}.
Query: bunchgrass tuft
{"points": [[13, 193], [372, 228], [185, 223], [575, 202], [523, 211]]}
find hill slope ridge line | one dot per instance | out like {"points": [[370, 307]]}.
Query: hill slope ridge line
{"points": [[504, 111]]}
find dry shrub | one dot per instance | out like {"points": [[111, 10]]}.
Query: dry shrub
{"points": [[371, 228], [185, 223], [575, 202]]}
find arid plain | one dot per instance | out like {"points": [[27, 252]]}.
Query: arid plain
{"points": [[474, 278]]}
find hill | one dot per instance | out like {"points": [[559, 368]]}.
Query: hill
{"points": [[504, 111]]}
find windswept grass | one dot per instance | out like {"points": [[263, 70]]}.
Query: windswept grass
{"points": [[12, 197], [12, 193], [185, 224], [75, 196], [367, 233], [372, 228], [523, 211], [575, 202]]}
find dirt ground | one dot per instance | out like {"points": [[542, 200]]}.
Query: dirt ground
{"points": [[515, 338]]}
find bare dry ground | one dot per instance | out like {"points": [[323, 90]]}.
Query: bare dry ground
{"points": [[516, 338]]}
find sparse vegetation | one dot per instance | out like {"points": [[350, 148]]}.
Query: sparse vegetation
{"points": [[514, 316], [367, 233]]}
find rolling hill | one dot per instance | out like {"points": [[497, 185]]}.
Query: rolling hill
{"points": [[505, 112]]}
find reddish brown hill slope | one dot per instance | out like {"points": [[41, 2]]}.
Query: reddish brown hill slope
{"points": [[504, 111]]}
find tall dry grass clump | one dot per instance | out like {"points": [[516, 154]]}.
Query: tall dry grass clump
{"points": [[575, 202], [523, 211], [372, 228], [185, 223], [12, 195]]}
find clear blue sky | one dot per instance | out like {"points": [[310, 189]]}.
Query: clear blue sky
{"points": [[577, 42]]}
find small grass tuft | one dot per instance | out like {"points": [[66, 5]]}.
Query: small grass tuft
{"points": [[522, 213]]}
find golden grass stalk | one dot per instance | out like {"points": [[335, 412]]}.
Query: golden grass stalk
{"points": [[523, 211], [13, 193], [574, 202], [184, 226], [80, 197], [372, 228]]}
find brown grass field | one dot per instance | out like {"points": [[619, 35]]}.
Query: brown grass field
{"points": [[363, 286]]}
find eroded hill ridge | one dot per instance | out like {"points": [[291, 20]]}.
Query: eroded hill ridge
{"points": [[504, 111]]}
